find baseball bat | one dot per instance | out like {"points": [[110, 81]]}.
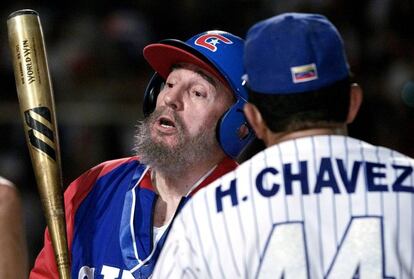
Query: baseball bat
{"points": [[37, 108]]}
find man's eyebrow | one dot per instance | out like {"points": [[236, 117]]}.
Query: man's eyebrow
{"points": [[199, 72], [207, 78]]}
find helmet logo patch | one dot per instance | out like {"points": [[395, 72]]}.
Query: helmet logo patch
{"points": [[210, 41]]}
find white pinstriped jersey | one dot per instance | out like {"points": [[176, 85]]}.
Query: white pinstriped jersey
{"points": [[314, 207]]}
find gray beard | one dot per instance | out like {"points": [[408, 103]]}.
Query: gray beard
{"points": [[173, 160]]}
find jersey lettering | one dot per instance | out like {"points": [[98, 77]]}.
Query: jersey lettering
{"points": [[86, 272], [375, 171], [397, 185], [326, 177], [285, 253], [360, 252], [374, 175], [350, 184], [220, 194], [259, 183], [107, 272], [301, 177], [110, 272]]}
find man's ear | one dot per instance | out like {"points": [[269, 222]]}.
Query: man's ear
{"points": [[255, 120], [354, 102]]}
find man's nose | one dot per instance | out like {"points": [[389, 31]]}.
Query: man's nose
{"points": [[174, 98]]}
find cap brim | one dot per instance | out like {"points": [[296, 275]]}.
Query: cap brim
{"points": [[162, 57]]}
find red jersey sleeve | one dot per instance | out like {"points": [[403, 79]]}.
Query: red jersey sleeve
{"points": [[45, 265]]}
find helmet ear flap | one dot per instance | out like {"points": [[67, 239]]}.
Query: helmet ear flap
{"points": [[155, 85], [233, 131]]}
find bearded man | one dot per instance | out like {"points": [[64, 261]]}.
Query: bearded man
{"points": [[119, 213]]}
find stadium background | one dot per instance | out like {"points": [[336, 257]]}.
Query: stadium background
{"points": [[99, 75]]}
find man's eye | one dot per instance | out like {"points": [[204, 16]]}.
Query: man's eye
{"points": [[199, 93], [169, 85]]}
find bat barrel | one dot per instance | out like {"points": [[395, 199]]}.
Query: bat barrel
{"points": [[34, 90]]}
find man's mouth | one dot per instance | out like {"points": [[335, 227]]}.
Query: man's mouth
{"points": [[166, 122]]}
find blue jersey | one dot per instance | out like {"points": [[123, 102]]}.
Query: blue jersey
{"points": [[314, 207], [109, 214]]}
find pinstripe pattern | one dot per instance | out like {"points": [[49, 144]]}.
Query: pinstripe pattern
{"points": [[334, 206], [297, 158], [201, 242], [348, 167], [281, 170], [365, 230], [253, 211], [313, 158]]}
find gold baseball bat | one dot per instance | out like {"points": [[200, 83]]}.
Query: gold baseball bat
{"points": [[35, 94]]}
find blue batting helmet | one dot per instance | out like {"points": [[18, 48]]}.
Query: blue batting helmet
{"points": [[219, 53]]}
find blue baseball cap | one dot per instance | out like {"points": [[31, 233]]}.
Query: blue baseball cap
{"points": [[293, 53], [218, 52]]}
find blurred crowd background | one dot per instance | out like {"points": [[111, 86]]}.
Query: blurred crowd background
{"points": [[99, 75]]}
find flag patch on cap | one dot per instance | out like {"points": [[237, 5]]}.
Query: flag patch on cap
{"points": [[304, 73]]}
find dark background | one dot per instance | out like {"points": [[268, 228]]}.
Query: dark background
{"points": [[95, 57]]}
